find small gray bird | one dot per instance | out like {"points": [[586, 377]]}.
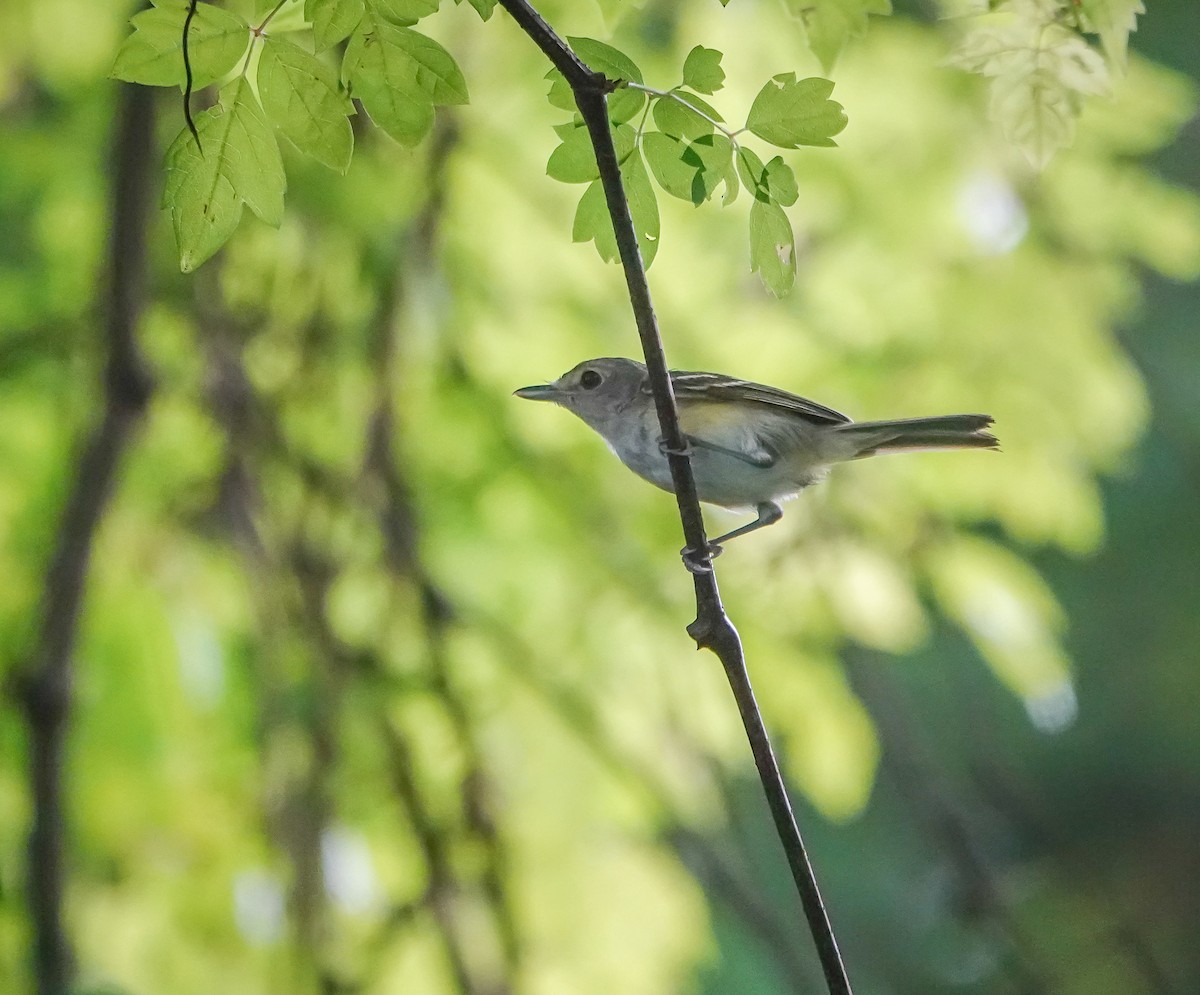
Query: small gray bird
{"points": [[752, 446]]}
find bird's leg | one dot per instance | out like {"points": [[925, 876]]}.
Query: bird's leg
{"points": [[666, 450], [768, 514]]}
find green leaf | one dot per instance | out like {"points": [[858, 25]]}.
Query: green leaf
{"points": [[574, 161], [602, 58], [702, 70], [643, 205], [753, 173], [153, 54], [772, 248], [559, 94], [774, 183], [789, 113], [300, 95], [675, 115], [830, 24], [332, 20], [623, 103], [399, 74], [781, 182], [240, 163], [593, 223], [483, 8], [691, 172], [205, 208], [405, 12]]}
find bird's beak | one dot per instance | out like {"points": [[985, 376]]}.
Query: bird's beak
{"points": [[539, 392]]}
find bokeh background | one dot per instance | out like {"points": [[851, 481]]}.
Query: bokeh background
{"points": [[380, 680]]}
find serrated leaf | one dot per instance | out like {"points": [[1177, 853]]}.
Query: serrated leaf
{"points": [[205, 208], [1040, 71], [675, 115], [301, 97], [332, 20], [238, 162], [399, 74], [772, 247], [789, 113], [702, 70], [594, 224], [1114, 21], [689, 171], [1036, 115], [411, 62], [404, 12], [153, 54], [830, 24]]}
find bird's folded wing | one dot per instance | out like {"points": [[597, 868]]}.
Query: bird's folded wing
{"points": [[718, 389]]}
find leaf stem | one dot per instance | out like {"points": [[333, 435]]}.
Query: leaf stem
{"points": [[674, 95], [257, 32]]}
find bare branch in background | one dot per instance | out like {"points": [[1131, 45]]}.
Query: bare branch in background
{"points": [[47, 683]]}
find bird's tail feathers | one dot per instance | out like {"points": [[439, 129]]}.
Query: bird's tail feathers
{"points": [[938, 432]]}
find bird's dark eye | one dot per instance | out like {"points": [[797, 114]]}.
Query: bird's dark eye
{"points": [[590, 380]]}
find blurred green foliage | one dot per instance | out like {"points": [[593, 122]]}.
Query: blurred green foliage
{"points": [[382, 681]]}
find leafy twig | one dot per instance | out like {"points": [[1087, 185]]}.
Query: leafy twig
{"points": [[682, 100]]}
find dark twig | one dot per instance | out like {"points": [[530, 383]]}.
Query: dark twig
{"points": [[47, 683], [712, 628], [187, 76]]}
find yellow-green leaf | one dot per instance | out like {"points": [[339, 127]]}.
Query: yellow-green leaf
{"points": [[300, 95], [153, 54], [237, 162]]}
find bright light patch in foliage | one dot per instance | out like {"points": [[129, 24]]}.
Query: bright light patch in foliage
{"points": [[1040, 69], [300, 94], [831, 24], [1113, 21], [238, 162], [153, 54]]}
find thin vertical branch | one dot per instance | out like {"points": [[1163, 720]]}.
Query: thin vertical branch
{"points": [[712, 628], [46, 685]]}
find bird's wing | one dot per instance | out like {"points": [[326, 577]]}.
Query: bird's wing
{"points": [[717, 388]]}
